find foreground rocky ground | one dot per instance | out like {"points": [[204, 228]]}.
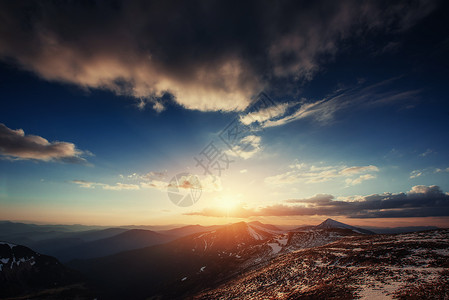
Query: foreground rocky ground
{"points": [[402, 266]]}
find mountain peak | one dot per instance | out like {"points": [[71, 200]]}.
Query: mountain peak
{"points": [[330, 223]]}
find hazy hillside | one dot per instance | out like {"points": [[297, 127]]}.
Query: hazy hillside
{"points": [[128, 240]]}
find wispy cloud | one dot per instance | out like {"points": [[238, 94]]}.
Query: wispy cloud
{"points": [[416, 173], [420, 201], [16, 145], [251, 146], [115, 187], [321, 173], [324, 110], [360, 179], [426, 153], [156, 180]]}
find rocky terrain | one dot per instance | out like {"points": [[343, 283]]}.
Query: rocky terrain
{"points": [[402, 266], [28, 274]]}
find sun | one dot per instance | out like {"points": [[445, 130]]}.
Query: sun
{"points": [[228, 204]]}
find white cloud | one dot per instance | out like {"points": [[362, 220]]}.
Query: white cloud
{"points": [[247, 147], [265, 114], [322, 173], [323, 110], [426, 153], [154, 180], [120, 186], [357, 170], [16, 145], [438, 170], [84, 183], [416, 173], [359, 179], [116, 187]]}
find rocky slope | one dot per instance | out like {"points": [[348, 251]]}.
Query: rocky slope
{"points": [[403, 266]]}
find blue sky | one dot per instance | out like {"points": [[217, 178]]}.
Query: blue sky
{"points": [[360, 109]]}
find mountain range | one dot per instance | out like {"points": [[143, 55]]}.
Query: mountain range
{"points": [[202, 262]]}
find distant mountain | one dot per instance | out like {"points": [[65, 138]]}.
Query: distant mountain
{"points": [[8, 227], [68, 241], [167, 270], [202, 260], [50, 238], [68, 244], [128, 240], [189, 229], [26, 272], [329, 223], [404, 266], [265, 226]]}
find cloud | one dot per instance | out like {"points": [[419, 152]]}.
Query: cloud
{"points": [[315, 174], [426, 153], [120, 186], [207, 183], [205, 56], [438, 170], [247, 147], [85, 184], [16, 145], [265, 114], [116, 187], [420, 201], [324, 110], [427, 171], [357, 170], [416, 173], [155, 180], [359, 179]]}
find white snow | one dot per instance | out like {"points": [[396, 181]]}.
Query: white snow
{"points": [[282, 240], [9, 244], [254, 234], [378, 292], [4, 260], [275, 247], [264, 229]]}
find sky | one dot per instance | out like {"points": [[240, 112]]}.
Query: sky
{"points": [[211, 112]]}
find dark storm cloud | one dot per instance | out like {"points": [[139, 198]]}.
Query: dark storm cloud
{"points": [[210, 55], [420, 201], [15, 145]]}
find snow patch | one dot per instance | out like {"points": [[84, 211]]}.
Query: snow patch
{"points": [[4, 260], [9, 244], [254, 234], [275, 247]]}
